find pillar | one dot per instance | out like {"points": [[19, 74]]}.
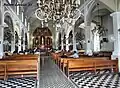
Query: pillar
{"points": [[28, 36], [1, 28], [88, 37], [116, 32], [23, 43], [74, 40], [19, 41], [88, 40], [56, 40], [24, 29], [13, 45], [1, 40], [67, 42], [19, 44]]}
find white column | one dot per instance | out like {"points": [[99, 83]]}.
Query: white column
{"points": [[23, 43], [24, 39], [1, 40], [88, 37], [13, 45], [28, 36], [67, 42], [19, 44], [19, 41], [116, 27], [74, 41], [56, 38], [1, 28], [88, 40]]}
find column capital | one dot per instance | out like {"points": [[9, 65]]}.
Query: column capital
{"points": [[114, 13]]}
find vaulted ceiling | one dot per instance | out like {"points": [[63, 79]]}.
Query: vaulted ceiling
{"points": [[106, 6]]}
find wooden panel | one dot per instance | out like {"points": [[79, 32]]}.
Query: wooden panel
{"points": [[23, 64]]}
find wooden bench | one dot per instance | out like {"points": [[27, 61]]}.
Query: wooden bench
{"points": [[55, 56], [93, 65], [14, 66], [20, 57], [63, 61], [2, 70]]}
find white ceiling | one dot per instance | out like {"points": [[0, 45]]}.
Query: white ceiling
{"points": [[30, 12]]}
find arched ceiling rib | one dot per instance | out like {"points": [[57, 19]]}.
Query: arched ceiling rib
{"points": [[105, 7]]}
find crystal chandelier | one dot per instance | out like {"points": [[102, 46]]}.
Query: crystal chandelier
{"points": [[57, 10]]}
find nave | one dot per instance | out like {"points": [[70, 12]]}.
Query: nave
{"points": [[62, 28], [51, 76]]}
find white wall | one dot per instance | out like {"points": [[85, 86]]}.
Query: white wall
{"points": [[107, 23]]}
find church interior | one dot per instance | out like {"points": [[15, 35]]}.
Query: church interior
{"points": [[59, 43]]}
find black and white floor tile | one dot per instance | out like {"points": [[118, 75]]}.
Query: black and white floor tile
{"points": [[52, 77], [102, 79], [27, 82]]}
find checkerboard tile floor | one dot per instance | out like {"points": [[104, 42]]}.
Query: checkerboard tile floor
{"points": [[27, 82], [52, 77], [102, 79]]}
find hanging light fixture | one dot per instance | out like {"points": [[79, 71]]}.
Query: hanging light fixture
{"points": [[57, 9]]}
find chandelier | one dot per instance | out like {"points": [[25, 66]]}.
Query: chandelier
{"points": [[57, 10]]}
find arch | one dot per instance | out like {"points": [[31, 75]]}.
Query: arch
{"points": [[7, 13], [8, 32]]}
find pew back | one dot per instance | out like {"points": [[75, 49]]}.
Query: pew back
{"points": [[79, 65], [21, 65]]}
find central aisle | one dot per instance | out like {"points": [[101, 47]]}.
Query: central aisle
{"points": [[52, 77]]}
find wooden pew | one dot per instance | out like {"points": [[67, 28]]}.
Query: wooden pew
{"points": [[107, 64], [3, 70], [21, 65], [78, 65], [22, 57], [63, 61], [55, 57]]}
